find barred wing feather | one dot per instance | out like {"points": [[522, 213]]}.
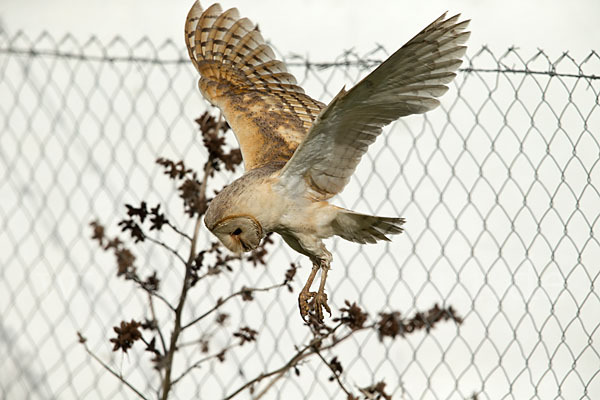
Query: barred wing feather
{"points": [[268, 112], [408, 82]]}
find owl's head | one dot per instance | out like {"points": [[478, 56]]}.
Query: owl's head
{"points": [[239, 233]]}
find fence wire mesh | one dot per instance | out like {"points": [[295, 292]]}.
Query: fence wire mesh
{"points": [[500, 187]]}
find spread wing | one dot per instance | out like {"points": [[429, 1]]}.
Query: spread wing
{"points": [[408, 82], [269, 114]]}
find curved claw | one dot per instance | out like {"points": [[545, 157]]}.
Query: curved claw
{"points": [[311, 302], [304, 304], [317, 304]]}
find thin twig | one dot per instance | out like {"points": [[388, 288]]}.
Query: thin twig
{"points": [[293, 361], [154, 293], [203, 360], [155, 321], [176, 230], [335, 375], [226, 299], [163, 299], [205, 336], [303, 353], [269, 385], [166, 246], [113, 372]]}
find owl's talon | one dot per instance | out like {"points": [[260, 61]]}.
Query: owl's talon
{"points": [[319, 301], [304, 304]]}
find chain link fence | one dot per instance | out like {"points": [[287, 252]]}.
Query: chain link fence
{"points": [[500, 187]]}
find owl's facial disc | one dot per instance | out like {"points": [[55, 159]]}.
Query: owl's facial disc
{"points": [[239, 233]]}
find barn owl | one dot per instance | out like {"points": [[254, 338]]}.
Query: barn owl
{"points": [[298, 152]]}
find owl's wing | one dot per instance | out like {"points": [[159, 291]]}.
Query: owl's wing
{"points": [[408, 82], [269, 114]]}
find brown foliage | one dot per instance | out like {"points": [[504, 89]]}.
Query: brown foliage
{"points": [[127, 334]]}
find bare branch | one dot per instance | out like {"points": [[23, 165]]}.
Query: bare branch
{"points": [[335, 374], [166, 387], [281, 370], [177, 329], [198, 363], [109, 369], [176, 230], [153, 313], [226, 299], [269, 385], [166, 246], [304, 352], [154, 293]]}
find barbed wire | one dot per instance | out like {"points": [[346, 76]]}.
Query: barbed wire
{"points": [[350, 57]]}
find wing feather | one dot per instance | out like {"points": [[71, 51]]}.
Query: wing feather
{"points": [[408, 82], [268, 112]]}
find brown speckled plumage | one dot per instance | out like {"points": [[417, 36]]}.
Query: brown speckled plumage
{"points": [[268, 112]]}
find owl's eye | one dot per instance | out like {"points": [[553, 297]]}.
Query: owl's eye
{"points": [[237, 231]]}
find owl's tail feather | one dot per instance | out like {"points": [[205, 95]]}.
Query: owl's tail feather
{"points": [[361, 228]]}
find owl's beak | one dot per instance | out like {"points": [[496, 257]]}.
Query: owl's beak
{"points": [[244, 246], [237, 245]]}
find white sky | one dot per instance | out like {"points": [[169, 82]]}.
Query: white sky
{"points": [[323, 28]]}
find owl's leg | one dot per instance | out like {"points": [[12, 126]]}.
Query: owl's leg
{"points": [[321, 259], [319, 300], [311, 301], [306, 294]]}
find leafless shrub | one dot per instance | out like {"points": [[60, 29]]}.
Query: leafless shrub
{"points": [[142, 220]]}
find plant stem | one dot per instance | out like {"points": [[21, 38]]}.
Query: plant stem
{"points": [[166, 386], [113, 372], [306, 351], [226, 299], [335, 375], [176, 230], [201, 361], [292, 362], [154, 294], [165, 246], [177, 329], [153, 313]]}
